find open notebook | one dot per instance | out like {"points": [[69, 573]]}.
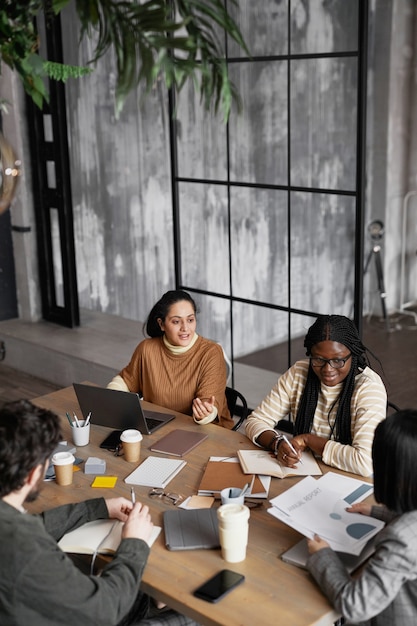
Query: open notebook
{"points": [[102, 536]]}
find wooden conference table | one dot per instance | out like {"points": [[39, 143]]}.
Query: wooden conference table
{"points": [[273, 591]]}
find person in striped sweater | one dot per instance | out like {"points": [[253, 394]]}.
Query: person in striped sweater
{"points": [[177, 368], [333, 401]]}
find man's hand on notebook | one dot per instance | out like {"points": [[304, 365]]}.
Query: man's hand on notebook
{"points": [[139, 524]]}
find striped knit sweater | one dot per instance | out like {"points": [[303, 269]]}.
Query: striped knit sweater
{"points": [[174, 380], [368, 408]]}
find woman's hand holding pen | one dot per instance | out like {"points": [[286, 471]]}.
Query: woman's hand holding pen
{"points": [[288, 454], [307, 440]]}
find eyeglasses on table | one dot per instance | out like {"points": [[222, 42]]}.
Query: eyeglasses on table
{"points": [[170, 498]]}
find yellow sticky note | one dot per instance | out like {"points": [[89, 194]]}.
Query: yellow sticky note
{"points": [[104, 481]]}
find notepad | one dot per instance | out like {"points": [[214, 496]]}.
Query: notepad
{"points": [[179, 442], [104, 481], [261, 462], [155, 472], [103, 536]]}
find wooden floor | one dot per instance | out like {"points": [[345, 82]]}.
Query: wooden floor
{"points": [[16, 385], [396, 349]]}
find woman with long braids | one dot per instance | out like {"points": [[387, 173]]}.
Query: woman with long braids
{"points": [[333, 401]]}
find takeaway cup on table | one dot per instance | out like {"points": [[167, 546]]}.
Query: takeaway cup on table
{"points": [[63, 463], [233, 520], [131, 440]]}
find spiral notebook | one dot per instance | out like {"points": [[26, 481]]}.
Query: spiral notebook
{"points": [[155, 471]]}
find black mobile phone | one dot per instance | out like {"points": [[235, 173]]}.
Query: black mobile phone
{"points": [[111, 441], [218, 586]]}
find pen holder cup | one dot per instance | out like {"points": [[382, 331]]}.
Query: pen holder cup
{"points": [[81, 433], [231, 495]]}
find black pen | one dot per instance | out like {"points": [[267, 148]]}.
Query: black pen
{"points": [[132, 496]]}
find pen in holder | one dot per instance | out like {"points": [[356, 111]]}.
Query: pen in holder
{"points": [[80, 430]]}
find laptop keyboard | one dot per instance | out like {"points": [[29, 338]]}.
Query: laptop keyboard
{"points": [[152, 423]]}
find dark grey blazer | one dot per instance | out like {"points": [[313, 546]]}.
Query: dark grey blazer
{"points": [[385, 593]]}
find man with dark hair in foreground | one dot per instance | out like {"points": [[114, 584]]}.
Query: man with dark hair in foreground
{"points": [[39, 584]]}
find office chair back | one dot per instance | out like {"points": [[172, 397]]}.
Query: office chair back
{"points": [[237, 405]]}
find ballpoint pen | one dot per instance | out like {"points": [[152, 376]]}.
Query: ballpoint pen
{"points": [[132, 495], [69, 419], [291, 447], [87, 421], [77, 423]]}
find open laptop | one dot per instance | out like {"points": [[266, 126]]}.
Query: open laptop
{"points": [[118, 409]]}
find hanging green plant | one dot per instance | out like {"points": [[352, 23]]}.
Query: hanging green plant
{"points": [[175, 40]]}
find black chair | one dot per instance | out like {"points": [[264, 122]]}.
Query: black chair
{"points": [[237, 406], [391, 407]]}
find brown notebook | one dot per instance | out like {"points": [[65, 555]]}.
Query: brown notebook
{"points": [[221, 474], [178, 442]]}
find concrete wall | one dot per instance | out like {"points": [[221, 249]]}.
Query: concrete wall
{"points": [[122, 194]]}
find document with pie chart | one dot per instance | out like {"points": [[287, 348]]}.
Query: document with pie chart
{"points": [[312, 508]]}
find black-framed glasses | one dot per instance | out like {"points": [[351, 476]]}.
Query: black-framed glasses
{"points": [[170, 498], [318, 361]]}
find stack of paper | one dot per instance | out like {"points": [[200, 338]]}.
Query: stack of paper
{"points": [[318, 507], [223, 472]]}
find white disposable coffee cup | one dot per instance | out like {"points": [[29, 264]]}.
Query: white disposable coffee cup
{"points": [[233, 521], [63, 463], [231, 495], [81, 433], [131, 440]]}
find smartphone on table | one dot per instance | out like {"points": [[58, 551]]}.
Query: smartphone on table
{"points": [[111, 441], [219, 585]]}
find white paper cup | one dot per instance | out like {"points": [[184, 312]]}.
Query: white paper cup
{"points": [[131, 440], [233, 522], [81, 433], [63, 463], [231, 495]]}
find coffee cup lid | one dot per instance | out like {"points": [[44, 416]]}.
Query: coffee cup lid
{"points": [[233, 510], [63, 458], [131, 435]]}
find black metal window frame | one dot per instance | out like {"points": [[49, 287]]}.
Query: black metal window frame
{"points": [[359, 193]]}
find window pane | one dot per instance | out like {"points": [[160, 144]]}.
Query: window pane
{"points": [[258, 135], [263, 26], [259, 245], [213, 320], [323, 123], [319, 26], [204, 237], [57, 257], [201, 139], [322, 253]]}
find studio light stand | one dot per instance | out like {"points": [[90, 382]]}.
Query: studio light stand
{"points": [[376, 233]]}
